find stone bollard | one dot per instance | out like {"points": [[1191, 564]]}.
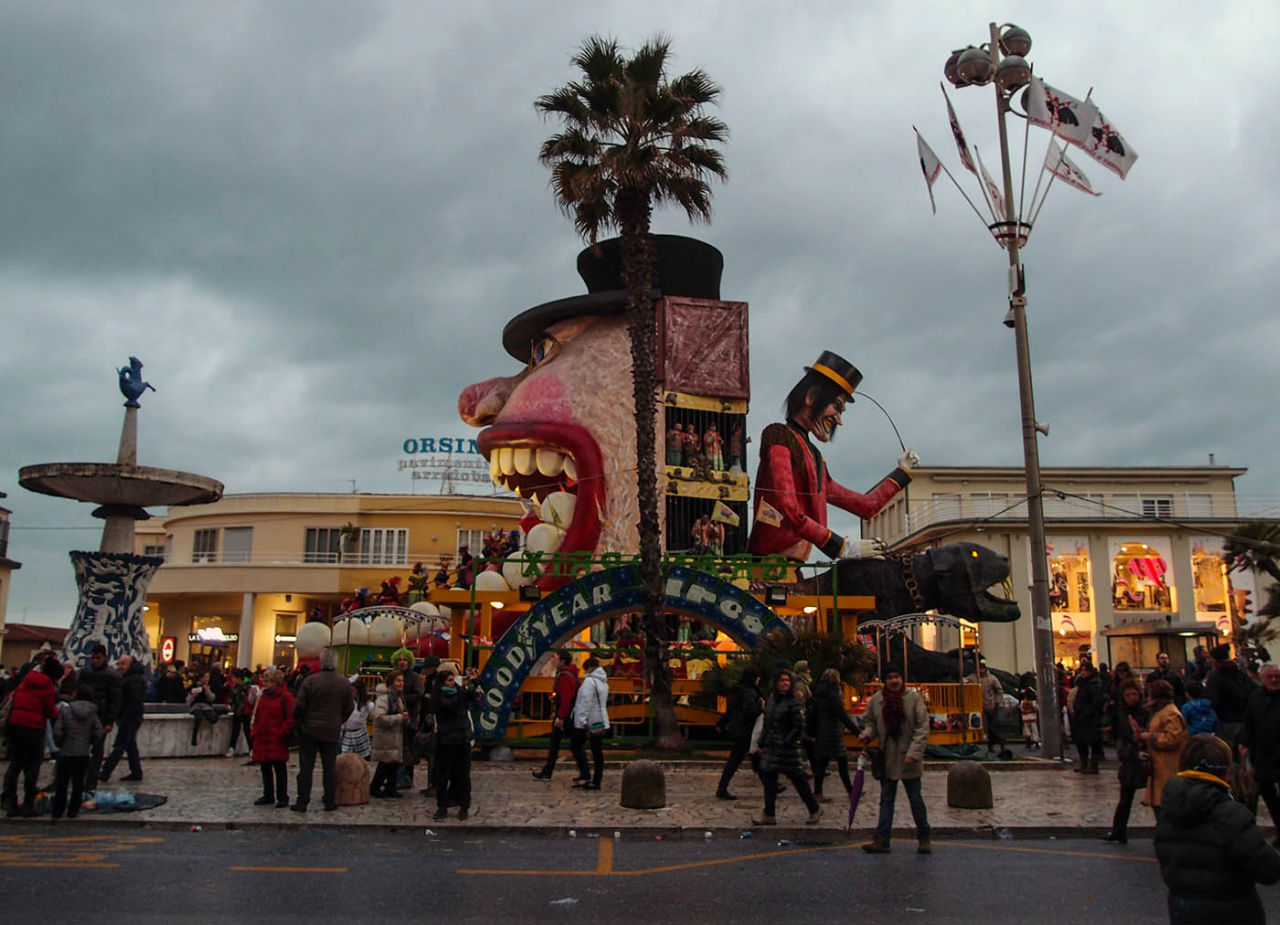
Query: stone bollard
{"points": [[643, 785], [969, 786]]}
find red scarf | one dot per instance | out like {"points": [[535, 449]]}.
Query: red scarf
{"points": [[893, 712]]}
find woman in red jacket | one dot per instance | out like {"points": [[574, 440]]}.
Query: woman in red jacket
{"points": [[34, 704], [272, 726]]}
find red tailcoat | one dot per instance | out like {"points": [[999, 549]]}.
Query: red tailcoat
{"points": [[787, 482]]}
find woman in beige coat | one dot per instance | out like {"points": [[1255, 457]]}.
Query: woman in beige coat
{"points": [[390, 716], [1164, 738]]}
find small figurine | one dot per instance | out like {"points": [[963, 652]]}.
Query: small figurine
{"points": [[715, 537], [713, 447], [735, 450], [131, 384], [692, 446], [700, 533], [675, 445]]}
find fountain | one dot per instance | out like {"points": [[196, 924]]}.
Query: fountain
{"points": [[113, 581]]}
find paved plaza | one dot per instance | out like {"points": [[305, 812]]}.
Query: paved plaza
{"points": [[1032, 799]]}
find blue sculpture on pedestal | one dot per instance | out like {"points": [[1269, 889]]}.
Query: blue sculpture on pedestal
{"points": [[131, 384]]}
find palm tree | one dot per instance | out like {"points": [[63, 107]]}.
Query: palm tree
{"points": [[1254, 546], [631, 139]]}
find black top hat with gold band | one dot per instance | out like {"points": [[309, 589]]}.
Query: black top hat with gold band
{"points": [[838, 370]]}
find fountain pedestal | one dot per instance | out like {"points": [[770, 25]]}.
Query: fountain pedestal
{"points": [[113, 581]]}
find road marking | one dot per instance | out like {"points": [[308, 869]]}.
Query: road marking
{"points": [[65, 851], [294, 870], [1058, 851], [604, 864]]}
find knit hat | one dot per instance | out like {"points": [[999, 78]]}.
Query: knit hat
{"points": [[1221, 653], [888, 669]]}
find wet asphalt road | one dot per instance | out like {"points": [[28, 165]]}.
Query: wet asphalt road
{"points": [[107, 873]]}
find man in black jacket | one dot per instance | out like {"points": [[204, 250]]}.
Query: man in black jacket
{"points": [[133, 693], [106, 685], [1228, 689], [745, 704], [1086, 719], [1261, 740], [1164, 673]]}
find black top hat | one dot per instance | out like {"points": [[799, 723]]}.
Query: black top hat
{"points": [[686, 267], [838, 370]]}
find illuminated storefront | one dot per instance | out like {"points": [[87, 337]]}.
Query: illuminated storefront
{"points": [[214, 640], [1071, 598], [1142, 576]]}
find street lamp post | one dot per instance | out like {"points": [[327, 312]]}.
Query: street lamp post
{"points": [[1007, 73]]}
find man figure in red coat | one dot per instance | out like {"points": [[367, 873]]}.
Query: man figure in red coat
{"points": [[793, 486]]}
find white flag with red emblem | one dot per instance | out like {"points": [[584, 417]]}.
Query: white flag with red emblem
{"points": [[1108, 147], [997, 197], [931, 166], [961, 145], [1061, 113], [1062, 167]]}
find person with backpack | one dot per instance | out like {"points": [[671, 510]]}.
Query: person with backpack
{"points": [[25, 713], [562, 698]]}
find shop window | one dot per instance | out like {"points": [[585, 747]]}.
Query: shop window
{"points": [[1209, 574], [205, 546], [384, 547], [323, 544], [237, 544], [1141, 577], [1157, 507]]}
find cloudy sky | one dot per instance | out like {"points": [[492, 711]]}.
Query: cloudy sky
{"points": [[311, 221]]}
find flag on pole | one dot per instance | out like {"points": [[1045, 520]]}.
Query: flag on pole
{"points": [[931, 166], [961, 145], [1061, 113], [997, 196], [1062, 167], [724, 514], [1108, 147]]}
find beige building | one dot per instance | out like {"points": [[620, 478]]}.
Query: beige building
{"points": [[1133, 553], [242, 574], [7, 568]]}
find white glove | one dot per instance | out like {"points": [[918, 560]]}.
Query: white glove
{"points": [[908, 460], [863, 549]]}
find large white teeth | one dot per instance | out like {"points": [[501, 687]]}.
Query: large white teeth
{"points": [[491, 581], [550, 462], [557, 509], [513, 570], [544, 538], [522, 459], [495, 468], [570, 468], [506, 460]]}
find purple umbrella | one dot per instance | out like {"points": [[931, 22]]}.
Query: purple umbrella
{"points": [[855, 792]]}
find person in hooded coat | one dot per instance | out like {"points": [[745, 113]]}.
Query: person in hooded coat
{"points": [[1164, 738], [1210, 848], [780, 748], [738, 722], [271, 725], [75, 730]]}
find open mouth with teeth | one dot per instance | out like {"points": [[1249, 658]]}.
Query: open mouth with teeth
{"points": [[557, 467]]}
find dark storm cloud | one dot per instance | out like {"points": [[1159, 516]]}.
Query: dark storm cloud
{"points": [[311, 220]]}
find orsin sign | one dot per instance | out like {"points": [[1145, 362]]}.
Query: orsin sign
{"points": [[601, 594]]}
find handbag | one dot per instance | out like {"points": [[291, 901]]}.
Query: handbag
{"points": [[424, 743], [876, 755]]}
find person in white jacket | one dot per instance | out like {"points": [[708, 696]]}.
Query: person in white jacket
{"points": [[591, 722]]}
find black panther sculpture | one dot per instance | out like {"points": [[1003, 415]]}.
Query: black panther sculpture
{"points": [[953, 579]]}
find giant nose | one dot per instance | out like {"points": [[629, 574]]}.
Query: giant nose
{"points": [[480, 404]]}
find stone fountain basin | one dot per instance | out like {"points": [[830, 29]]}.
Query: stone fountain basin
{"points": [[113, 483]]}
